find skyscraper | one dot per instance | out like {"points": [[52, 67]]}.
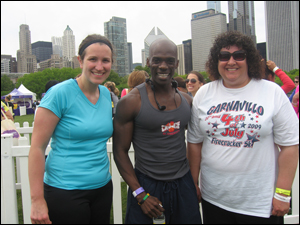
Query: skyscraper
{"points": [[241, 17], [188, 59], [282, 36], [42, 50], [115, 30], [216, 5], [25, 60], [130, 63], [148, 40], [206, 25], [180, 56], [68, 41], [57, 45]]}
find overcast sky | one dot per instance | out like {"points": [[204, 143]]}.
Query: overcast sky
{"points": [[47, 19]]}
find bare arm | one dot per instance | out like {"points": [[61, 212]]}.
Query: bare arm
{"points": [[127, 110], [8, 115], [194, 157], [287, 165], [44, 125], [288, 83]]}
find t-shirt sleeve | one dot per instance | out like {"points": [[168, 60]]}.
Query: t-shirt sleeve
{"points": [[55, 100], [194, 133], [285, 121]]}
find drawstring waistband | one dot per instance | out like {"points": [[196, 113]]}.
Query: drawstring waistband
{"points": [[169, 187]]}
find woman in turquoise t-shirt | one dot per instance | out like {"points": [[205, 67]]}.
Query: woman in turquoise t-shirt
{"points": [[74, 185]]}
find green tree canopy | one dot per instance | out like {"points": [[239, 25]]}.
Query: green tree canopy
{"points": [[6, 84]]}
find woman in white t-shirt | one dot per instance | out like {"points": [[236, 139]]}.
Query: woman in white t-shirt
{"points": [[236, 119]]}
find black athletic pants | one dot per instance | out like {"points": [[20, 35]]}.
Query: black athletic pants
{"points": [[215, 215], [79, 206]]}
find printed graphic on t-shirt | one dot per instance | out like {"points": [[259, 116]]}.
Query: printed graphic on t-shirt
{"points": [[170, 128], [233, 122]]}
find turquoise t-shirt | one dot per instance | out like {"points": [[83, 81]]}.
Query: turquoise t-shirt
{"points": [[78, 158]]}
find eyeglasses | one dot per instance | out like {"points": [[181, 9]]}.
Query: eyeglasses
{"points": [[296, 81], [193, 81], [237, 56]]}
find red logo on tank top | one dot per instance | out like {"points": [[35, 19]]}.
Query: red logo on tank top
{"points": [[171, 128]]}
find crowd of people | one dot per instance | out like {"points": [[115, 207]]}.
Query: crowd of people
{"points": [[242, 139]]}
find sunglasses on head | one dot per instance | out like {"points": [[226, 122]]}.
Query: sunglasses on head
{"points": [[193, 81], [237, 56]]}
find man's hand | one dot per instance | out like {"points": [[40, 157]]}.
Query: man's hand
{"points": [[151, 206]]}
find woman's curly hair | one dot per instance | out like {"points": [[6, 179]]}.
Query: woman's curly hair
{"points": [[230, 38]]}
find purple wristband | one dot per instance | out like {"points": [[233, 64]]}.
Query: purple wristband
{"points": [[138, 191]]}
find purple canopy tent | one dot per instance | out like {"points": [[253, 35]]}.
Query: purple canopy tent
{"points": [[16, 94]]}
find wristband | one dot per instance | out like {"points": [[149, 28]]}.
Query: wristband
{"points": [[276, 68], [146, 196], [138, 191], [282, 191], [282, 198]]}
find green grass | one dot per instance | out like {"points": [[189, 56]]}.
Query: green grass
{"points": [[25, 118], [29, 118]]}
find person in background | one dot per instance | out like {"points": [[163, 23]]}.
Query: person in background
{"points": [[296, 81], [181, 85], [134, 79], [8, 103], [6, 111], [231, 136], [75, 185], [114, 92], [194, 81], [272, 69], [153, 116], [295, 101]]}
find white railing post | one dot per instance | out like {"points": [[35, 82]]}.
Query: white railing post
{"points": [[27, 135], [294, 218], [9, 209], [117, 195], [23, 164]]}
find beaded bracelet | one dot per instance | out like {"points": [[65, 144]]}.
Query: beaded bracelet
{"points": [[146, 196]]}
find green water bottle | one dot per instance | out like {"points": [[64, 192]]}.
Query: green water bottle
{"points": [[160, 219]]}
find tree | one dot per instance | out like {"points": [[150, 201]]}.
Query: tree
{"points": [[146, 68], [6, 84]]}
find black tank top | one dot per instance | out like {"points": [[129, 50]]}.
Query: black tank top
{"points": [[159, 139]]}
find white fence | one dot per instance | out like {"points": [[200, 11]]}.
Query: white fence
{"points": [[9, 211]]}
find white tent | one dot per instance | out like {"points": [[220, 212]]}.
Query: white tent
{"points": [[25, 91]]}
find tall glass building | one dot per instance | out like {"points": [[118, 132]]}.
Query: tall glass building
{"points": [[115, 30], [282, 36], [42, 50], [152, 36], [241, 17]]}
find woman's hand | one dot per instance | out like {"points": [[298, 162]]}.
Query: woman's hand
{"points": [[39, 212]]}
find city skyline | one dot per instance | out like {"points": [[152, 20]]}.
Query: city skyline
{"points": [[173, 18]]}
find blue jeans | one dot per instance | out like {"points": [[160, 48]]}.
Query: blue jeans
{"points": [[178, 197]]}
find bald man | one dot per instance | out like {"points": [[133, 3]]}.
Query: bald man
{"points": [[153, 116]]}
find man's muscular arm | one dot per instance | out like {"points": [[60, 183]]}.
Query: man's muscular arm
{"points": [[127, 109]]}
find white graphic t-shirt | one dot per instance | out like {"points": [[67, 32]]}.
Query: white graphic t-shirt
{"points": [[238, 128]]}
